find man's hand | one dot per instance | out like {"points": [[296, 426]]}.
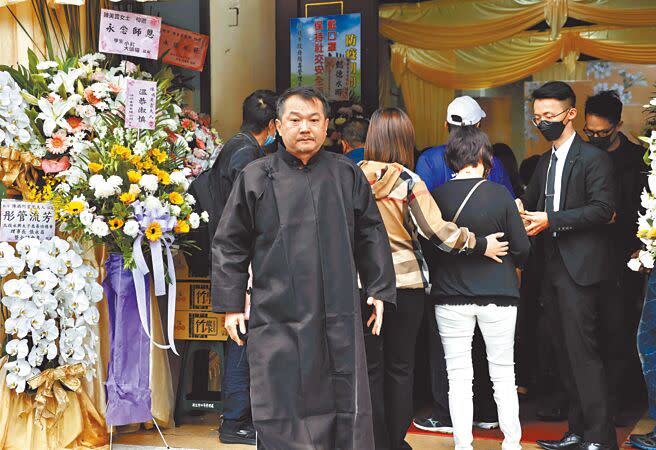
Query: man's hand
{"points": [[495, 247], [232, 320], [613, 219], [538, 221], [376, 315]]}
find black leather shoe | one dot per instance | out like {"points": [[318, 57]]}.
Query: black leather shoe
{"points": [[595, 446], [570, 441]]}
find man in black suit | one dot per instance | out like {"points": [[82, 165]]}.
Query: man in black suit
{"points": [[569, 202]]}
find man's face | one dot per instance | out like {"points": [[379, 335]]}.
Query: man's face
{"points": [[303, 125], [552, 110], [599, 126]]}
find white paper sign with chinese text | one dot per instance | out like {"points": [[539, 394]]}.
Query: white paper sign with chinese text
{"points": [[131, 34], [338, 70], [20, 220], [141, 104]]}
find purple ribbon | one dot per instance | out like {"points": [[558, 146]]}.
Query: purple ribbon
{"points": [[145, 217]]}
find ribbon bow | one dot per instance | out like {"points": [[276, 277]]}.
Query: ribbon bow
{"points": [[15, 166], [147, 216], [51, 399]]}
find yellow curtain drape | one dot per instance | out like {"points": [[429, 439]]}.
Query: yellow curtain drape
{"points": [[452, 24], [560, 71], [14, 40], [516, 58], [426, 105]]}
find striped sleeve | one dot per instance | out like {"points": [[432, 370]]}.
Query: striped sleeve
{"points": [[446, 236]]}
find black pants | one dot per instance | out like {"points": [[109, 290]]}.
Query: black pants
{"points": [[615, 337], [572, 312], [390, 363], [485, 409]]}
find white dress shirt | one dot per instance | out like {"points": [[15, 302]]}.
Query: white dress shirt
{"points": [[561, 154]]}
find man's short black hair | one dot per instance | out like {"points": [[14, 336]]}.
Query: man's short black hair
{"points": [[258, 110], [305, 92], [468, 146], [450, 127], [606, 104], [354, 132], [556, 89]]}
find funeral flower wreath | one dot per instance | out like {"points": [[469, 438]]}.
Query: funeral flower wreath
{"points": [[50, 300]]}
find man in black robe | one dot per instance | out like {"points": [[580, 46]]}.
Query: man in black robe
{"points": [[307, 222]]}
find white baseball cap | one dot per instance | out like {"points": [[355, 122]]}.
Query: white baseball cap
{"points": [[464, 111]]}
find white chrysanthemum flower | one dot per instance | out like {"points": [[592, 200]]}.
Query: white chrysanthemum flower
{"points": [[194, 220], [204, 216], [153, 203], [99, 228], [86, 218], [131, 228], [149, 182]]}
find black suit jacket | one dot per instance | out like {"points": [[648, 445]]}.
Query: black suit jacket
{"points": [[587, 203]]}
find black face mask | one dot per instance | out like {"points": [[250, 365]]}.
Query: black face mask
{"points": [[602, 143], [551, 130]]}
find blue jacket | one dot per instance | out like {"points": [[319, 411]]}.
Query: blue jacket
{"points": [[356, 155], [432, 169]]}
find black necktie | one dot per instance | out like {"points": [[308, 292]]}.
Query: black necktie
{"points": [[551, 183]]}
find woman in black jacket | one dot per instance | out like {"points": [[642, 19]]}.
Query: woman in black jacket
{"points": [[475, 289]]}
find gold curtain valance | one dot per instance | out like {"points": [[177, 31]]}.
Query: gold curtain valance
{"points": [[451, 24], [516, 58]]}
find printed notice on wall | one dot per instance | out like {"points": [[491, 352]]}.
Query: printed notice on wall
{"points": [[141, 104], [20, 220], [130, 34]]}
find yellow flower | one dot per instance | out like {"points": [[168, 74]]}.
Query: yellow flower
{"points": [[159, 155], [147, 164], [127, 198], [176, 198], [163, 177], [181, 227], [75, 207], [651, 234], [136, 159], [115, 223], [95, 167], [154, 231], [121, 151], [134, 176]]}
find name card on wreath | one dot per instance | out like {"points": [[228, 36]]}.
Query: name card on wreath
{"points": [[130, 34], [20, 220], [141, 104]]}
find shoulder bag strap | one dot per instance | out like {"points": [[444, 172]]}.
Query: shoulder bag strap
{"points": [[464, 202]]}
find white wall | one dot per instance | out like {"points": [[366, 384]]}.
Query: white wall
{"points": [[242, 57]]}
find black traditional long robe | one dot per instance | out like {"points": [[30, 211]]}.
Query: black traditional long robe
{"points": [[307, 230]]}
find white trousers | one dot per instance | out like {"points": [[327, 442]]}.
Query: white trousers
{"points": [[497, 323]]}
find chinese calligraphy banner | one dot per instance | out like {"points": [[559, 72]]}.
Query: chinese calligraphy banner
{"points": [[130, 34], [20, 220], [185, 48], [325, 53], [141, 104]]}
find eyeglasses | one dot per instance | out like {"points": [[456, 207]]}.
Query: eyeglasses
{"points": [[549, 118], [599, 133]]}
